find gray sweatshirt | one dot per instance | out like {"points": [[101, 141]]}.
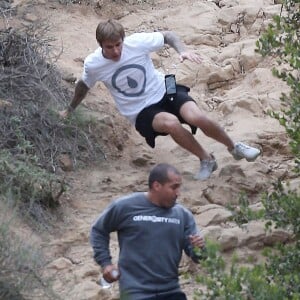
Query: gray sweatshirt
{"points": [[151, 241]]}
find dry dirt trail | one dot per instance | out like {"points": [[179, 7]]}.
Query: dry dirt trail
{"points": [[126, 170]]}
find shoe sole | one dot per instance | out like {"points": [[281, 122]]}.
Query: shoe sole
{"points": [[248, 159], [253, 159]]}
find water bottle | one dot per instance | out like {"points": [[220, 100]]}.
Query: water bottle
{"points": [[106, 285]]}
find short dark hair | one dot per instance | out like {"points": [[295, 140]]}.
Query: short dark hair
{"points": [[110, 30], [160, 173]]}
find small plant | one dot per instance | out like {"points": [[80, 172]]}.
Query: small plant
{"points": [[29, 187], [243, 214], [283, 208]]}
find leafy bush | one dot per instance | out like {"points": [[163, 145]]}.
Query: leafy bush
{"points": [[31, 90], [282, 41], [27, 186], [283, 207], [278, 278], [243, 213]]}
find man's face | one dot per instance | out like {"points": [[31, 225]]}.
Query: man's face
{"points": [[169, 191], [112, 49]]}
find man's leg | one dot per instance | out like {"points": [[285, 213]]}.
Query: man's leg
{"points": [[192, 114], [167, 123]]}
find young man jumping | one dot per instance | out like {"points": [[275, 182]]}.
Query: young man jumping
{"points": [[124, 65]]}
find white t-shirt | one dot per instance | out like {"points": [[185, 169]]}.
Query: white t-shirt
{"points": [[133, 81]]}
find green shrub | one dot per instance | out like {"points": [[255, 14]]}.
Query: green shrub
{"points": [[25, 185], [282, 41]]}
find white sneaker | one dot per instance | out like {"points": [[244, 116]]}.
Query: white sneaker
{"points": [[242, 150], [206, 168]]}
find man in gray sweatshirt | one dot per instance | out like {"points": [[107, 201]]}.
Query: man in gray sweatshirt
{"points": [[153, 230]]}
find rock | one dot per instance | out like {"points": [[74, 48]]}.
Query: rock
{"points": [[277, 235], [214, 216], [292, 185], [88, 270], [60, 264], [107, 120], [30, 17], [140, 161], [232, 170], [212, 232], [5, 104], [68, 77], [249, 59], [203, 39], [253, 233], [228, 240], [89, 290], [66, 163], [221, 77]]}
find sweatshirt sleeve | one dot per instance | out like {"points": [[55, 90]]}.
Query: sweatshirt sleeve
{"points": [[191, 229], [100, 235]]}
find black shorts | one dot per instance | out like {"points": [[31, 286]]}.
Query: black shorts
{"points": [[143, 123]]}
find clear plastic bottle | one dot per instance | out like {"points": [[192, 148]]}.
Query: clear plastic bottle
{"points": [[106, 285]]}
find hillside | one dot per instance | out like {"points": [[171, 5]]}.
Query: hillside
{"points": [[233, 85]]}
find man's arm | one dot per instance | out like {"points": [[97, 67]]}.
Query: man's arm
{"points": [[81, 90], [99, 239], [194, 241], [173, 41], [106, 223]]}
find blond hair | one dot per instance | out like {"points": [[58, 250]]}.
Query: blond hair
{"points": [[110, 30]]}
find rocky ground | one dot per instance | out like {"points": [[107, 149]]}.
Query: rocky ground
{"points": [[233, 85]]}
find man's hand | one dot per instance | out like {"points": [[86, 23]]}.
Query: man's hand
{"points": [[173, 40], [190, 56], [111, 273], [81, 90], [197, 241]]}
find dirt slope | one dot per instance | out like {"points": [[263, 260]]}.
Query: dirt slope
{"points": [[240, 106]]}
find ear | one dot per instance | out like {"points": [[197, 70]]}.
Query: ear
{"points": [[156, 186]]}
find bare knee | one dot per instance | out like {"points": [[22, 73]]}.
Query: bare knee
{"points": [[166, 124]]}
